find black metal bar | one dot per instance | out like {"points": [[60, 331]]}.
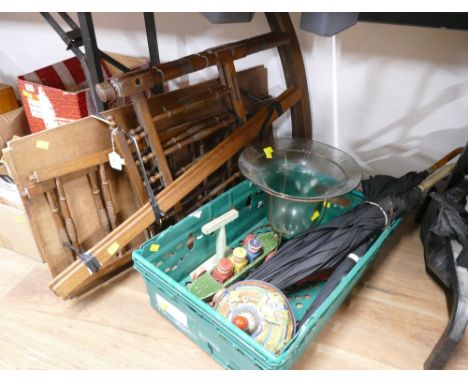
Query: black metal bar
{"points": [[113, 62], [150, 26], [66, 17], [72, 39], [92, 58]]}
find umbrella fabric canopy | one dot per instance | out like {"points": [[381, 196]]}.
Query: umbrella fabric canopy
{"points": [[444, 234], [326, 246], [446, 217]]}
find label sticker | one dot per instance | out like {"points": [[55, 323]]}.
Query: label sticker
{"points": [[154, 248], [315, 216], [113, 248], [43, 145], [20, 219], [327, 204], [268, 152], [170, 309], [116, 161]]}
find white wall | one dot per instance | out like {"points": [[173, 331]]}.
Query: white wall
{"points": [[394, 97]]}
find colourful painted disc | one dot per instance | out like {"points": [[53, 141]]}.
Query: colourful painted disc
{"points": [[267, 310]]}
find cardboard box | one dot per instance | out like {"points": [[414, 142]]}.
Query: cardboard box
{"points": [[13, 123], [16, 233], [7, 99], [58, 94], [15, 230]]}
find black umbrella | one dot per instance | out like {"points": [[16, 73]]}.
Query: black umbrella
{"points": [[340, 271], [324, 247], [374, 188], [446, 218]]}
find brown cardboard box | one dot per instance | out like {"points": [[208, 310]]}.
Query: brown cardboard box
{"points": [[7, 99], [12, 123], [16, 233], [15, 230]]}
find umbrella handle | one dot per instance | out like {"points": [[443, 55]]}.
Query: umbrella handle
{"points": [[442, 161], [440, 174]]}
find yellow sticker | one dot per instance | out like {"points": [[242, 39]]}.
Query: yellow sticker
{"points": [[164, 306], [326, 204], [315, 216], [154, 248], [20, 219], [113, 248], [43, 145], [268, 152]]}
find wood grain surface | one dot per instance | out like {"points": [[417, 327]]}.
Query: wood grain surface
{"points": [[391, 321]]}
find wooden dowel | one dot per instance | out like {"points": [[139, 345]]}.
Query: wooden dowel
{"points": [[136, 130], [198, 136], [138, 136], [140, 80], [195, 104], [218, 189], [180, 128], [195, 137], [196, 128], [181, 170]]}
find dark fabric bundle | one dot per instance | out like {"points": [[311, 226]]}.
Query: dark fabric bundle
{"points": [[447, 218]]}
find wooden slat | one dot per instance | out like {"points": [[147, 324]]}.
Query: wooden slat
{"points": [[59, 170]]}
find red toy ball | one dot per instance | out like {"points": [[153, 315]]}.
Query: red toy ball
{"points": [[241, 322]]}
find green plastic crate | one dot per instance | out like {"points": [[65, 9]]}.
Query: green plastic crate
{"points": [[166, 260]]}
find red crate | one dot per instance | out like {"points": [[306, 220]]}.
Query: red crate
{"points": [[56, 94]]}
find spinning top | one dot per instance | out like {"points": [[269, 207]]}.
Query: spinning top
{"points": [[260, 310]]}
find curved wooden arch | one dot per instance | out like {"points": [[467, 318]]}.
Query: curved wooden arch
{"points": [[294, 73]]}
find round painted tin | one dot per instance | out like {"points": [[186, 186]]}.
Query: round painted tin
{"points": [[270, 317]]}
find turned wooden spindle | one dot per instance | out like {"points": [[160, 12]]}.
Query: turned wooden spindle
{"points": [[58, 219], [69, 223], [106, 192], [103, 218]]}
